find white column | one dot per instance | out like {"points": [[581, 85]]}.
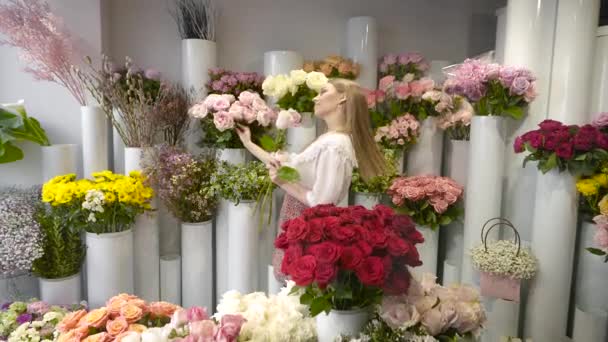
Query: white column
{"points": [[197, 264], [282, 62], [94, 125], [599, 83], [529, 34], [171, 279], [484, 184], [501, 25], [243, 246], [362, 48], [590, 326], [58, 159], [573, 59]]}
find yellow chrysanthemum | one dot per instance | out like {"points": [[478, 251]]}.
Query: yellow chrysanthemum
{"points": [[601, 179], [587, 187], [110, 197]]}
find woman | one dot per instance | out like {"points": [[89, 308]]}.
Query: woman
{"points": [[326, 165]]}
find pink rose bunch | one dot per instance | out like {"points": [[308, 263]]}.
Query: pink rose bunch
{"points": [[402, 64], [430, 200], [435, 310], [400, 133], [229, 82], [456, 118], [493, 88], [288, 119], [201, 327], [577, 148], [227, 111]]}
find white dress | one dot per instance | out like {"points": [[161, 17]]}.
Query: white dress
{"points": [[325, 167]]}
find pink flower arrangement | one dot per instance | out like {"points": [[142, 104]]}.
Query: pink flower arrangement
{"points": [[455, 116], [229, 82], [434, 310], [493, 89], [431, 201], [574, 148], [601, 121], [201, 327], [400, 133], [46, 46], [601, 237], [249, 109], [402, 64]]}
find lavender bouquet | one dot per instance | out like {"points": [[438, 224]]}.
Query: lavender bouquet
{"points": [[231, 82], [493, 89], [20, 234], [184, 183]]}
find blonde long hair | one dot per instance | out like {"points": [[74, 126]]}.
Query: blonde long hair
{"points": [[369, 157]]}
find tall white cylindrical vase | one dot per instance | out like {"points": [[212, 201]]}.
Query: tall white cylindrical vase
{"points": [[591, 274], [428, 250], [118, 145], [555, 207], [366, 199], [599, 80], [111, 257], [575, 37], [281, 62], [501, 25], [222, 255], [243, 246], [451, 273], [233, 156], [484, 184], [58, 160], [197, 264], [63, 291], [337, 322], [171, 279], [18, 287], [146, 239], [503, 319], [425, 157], [436, 71], [298, 138], [590, 326], [94, 126], [362, 48]]}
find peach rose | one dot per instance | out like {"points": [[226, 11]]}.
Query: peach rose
{"points": [[116, 303], [101, 337], [75, 335], [117, 326], [70, 321], [131, 312], [333, 60], [326, 69], [345, 68], [308, 66], [162, 309], [138, 328], [95, 318]]}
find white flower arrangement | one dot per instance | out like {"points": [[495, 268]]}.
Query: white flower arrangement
{"points": [[276, 318], [296, 90], [501, 259], [38, 331], [94, 201]]}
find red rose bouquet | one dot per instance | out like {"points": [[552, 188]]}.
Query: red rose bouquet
{"points": [[580, 149], [432, 201], [346, 258]]}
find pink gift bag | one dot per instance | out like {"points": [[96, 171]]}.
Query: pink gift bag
{"points": [[500, 287]]}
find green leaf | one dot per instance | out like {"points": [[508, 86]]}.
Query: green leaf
{"points": [[319, 305], [595, 251], [288, 174], [549, 164], [445, 220], [306, 299], [515, 112], [11, 153], [268, 144], [581, 157]]}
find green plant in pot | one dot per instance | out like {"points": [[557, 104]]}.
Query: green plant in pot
{"points": [[15, 126]]}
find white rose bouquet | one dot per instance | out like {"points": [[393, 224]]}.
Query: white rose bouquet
{"points": [[296, 90]]}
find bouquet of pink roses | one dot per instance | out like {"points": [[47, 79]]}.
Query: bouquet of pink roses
{"points": [[401, 133], [403, 64], [431, 201], [574, 148], [230, 82], [455, 120], [492, 88], [220, 114]]}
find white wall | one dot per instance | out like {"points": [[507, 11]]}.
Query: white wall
{"points": [[143, 30], [52, 105]]}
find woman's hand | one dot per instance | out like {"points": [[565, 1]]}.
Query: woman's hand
{"points": [[244, 134], [273, 170]]}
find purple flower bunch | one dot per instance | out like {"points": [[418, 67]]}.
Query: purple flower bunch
{"points": [[580, 149], [230, 82], [493, 89], [403, 64]]}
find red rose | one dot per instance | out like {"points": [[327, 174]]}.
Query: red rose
{"points": [[397, 283], [359, 213], [415, 237], [317, 228], [383, 212], [309, 213], [326, 252], [298, 229], [341, 233], [518, 145], [602, 141], [397, 246], [361, 233], [365, 248], [373, 223], [325, 274], [281, 241], [565, 150], [331, 222], [402, 224], [377, 238], [387, 262], [324, 210], [293, 253], [302, 271], [346, 218], [413, 258], [550, 125], [371, 271], [351, 257]]}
